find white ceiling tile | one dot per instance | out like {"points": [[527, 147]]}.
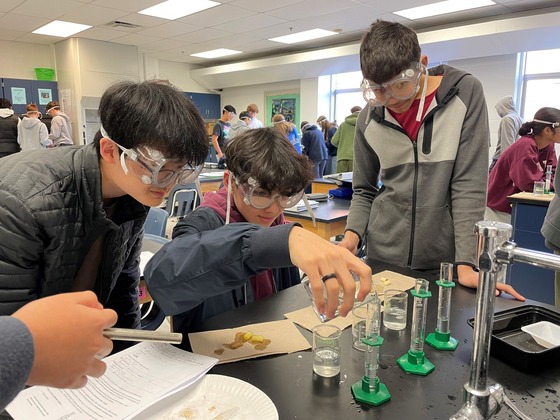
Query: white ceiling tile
{"points": [[135, 39], [15, 22], [170, 29], [9, 5], [203, 35], [10, 35], [263, 5], [250, 23], [216, 15], [93, 15], [53, 10], [101, 34], [280, 30], [164, 44]]}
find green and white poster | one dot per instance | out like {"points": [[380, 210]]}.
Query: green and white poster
{"points": [[18, 96]]}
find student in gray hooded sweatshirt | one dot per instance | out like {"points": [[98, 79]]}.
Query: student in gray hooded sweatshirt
{"points": [[508, 132], [61, 127], [32, 133], [423, 135]]}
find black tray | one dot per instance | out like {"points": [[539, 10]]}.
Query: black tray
{"points": [[516, 347]]}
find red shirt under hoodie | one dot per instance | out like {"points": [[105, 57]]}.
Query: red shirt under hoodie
{"points": [[263, 283]]}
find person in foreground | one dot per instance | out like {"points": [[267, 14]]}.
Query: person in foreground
{"points": [[72, 218], [425, 136], [54, 341], [523, 163], [222, 253], [551, 226]]}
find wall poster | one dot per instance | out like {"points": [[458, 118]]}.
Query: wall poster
{"points": [[285, 103], [18, 96], [45, 96]]}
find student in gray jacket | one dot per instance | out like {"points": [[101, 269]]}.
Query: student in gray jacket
{"points": [[72, 218], [425, 136]]}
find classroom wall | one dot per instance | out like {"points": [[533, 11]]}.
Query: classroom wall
{"points": [[497, 75], [19, 59], [179, 75], [101, 63], [242, 96]]}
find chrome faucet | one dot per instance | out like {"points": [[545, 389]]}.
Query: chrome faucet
{"points": [[495, 252]]}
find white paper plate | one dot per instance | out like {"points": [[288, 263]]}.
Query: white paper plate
{"points": [[210, 397]]}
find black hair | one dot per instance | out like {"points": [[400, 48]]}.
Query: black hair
{"points": [[155, 114], [267, 156], [5, 103], [387, 49], [552, 115]]}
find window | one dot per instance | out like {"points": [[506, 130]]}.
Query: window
{"points": [[540, 82], [346, 93]]}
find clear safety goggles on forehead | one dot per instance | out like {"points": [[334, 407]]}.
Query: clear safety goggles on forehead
{"points": [[259, 198], [403, 86], [149, 165], [553, 124]]}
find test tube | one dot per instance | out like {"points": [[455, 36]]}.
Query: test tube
{"points": [[444, 299], [441, 339], [414, 361], [419, 317], [370, 390], [372, 328], [548, 179]]}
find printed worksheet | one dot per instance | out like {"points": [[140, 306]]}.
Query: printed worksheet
{"points": [[135, 379]]}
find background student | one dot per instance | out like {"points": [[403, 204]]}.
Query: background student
{"points": [[343, 139], [61, 126], [32, 132], [222, 253], [8, 129], [523, 163]]}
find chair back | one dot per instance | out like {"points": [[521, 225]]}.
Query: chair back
{"points": [[156, 222], [182, 201]]}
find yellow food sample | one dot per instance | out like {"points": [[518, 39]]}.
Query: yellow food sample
{"points": [[385, 281], [257, 338], [247, 336]]}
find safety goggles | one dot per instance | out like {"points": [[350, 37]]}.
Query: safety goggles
{"points": [[149, 165], [553, 124], [402, 87], [260, 198]]}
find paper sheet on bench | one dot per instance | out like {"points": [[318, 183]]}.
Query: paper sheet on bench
{"points": [[135, 379]]}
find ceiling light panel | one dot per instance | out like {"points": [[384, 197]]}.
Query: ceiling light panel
{"points": [[61, 28], [442, 8], [303, 36], [220, 52], [175, 9]]}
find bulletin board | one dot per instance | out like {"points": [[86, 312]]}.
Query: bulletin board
{"points": [[285, 103]]}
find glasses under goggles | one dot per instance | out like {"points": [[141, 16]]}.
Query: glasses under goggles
{"points": [[149, 165], [402, 87], [260, 198]]}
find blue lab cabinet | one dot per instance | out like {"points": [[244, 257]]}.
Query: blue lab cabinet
{"points": [[208, 104], [22, 92], [527, 217]]}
